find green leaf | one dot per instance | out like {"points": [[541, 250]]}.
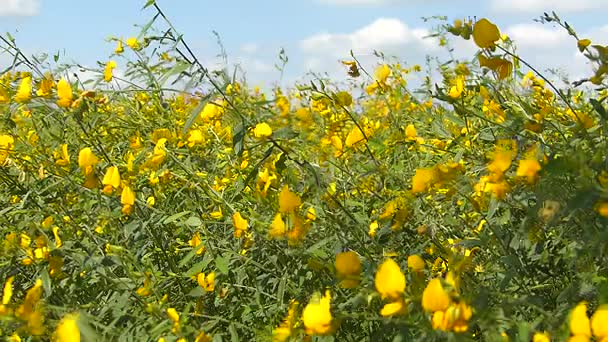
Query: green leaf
{"points": [[177, 69], [196, 292], [599, 108], [238, 139], [148, 4], [196, 112], [198, 267], [222, 263], [234, 336], [193, 221], [176, 217]]}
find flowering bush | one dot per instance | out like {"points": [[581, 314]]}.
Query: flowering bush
{"points": [[138, 208]]}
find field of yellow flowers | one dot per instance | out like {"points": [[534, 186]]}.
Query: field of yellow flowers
{"points": [[137, 209]]}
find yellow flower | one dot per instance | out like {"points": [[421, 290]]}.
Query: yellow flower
{"points": [[197, 242], [195, 137], [390, 281], [458, 88], [132, 43], [455, 318], [64, 92], [119, 48], [579, 322], [415, 262], [111, 180], [67, 330], [582, 44], [240, 224], [423, 179], [541, 337], [7, 293], [502, 67], [599, 323], [382, 73], [528, 168], [277, 227], [30, 310], [317, 315], [485, 34], [87, 159], [203, 337], [501, 162], [107, 73], [62, 157], [285, 329], [127, 199], [288, 201], [348, 268], [46, 85], [7, 144], [373, 227], [410, 132], [354, 137], [434, 297], [207, 282], [174, 317], [262, 130], [393, 309], [58, 242], [24, 92]]}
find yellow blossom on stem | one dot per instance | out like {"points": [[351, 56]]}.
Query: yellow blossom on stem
{"points": [[127, 199], [423, 179], [174, 317], [416, 263], [541, 337], [317, 316], [64, 92], [240, 225], [434, 297], [87, 159], [207, 282], [7, 144], [277, 227], [111, 180], [348, 269], [62, 157], [382, 73], [287, 326], [262, 130], [288, 201], [132, 43], [485, 34], [107, 72], [599, 323], [528, 168], [24, 92], [46, 86], [389, 280], [197, 242], [67, 330]]}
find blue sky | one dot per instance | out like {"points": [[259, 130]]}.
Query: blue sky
{"points": [[316, 34]]}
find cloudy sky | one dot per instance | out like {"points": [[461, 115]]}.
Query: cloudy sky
{"points": [[316, 34]]}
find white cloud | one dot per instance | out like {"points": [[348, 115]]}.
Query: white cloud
{"points": [[546, 47], [14, 8], [249, 48], [539, 6], [384, 34], [538, 36], [543, 46]]}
